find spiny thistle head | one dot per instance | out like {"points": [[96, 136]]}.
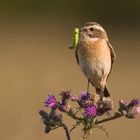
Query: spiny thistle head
{"points": [[134, 102], [84, 95], [130, 109], [51, 101], [89, 107], [90, 110]]}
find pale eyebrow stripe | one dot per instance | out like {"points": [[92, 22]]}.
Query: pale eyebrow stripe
{"points": [[98, 27]]}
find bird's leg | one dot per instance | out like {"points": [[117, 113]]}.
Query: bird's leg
{"points": [[100, 92], [101, 96]]}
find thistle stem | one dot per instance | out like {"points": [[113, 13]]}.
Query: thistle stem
{"points": [[116, 116], [67, 132]]}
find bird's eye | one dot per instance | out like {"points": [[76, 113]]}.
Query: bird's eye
{"points": [[91, 29]]}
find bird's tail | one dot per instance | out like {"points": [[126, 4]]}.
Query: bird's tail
{"points": [[106, 92]]}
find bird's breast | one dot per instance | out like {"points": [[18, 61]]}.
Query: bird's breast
{"points": [[94, 57]]}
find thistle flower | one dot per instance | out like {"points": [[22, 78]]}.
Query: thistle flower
{"points": [[132, 112], [83, 99], [134, 102], [90, 110], [91, 107], [133, 108], [130, 109], [105, 106], [84, 96], [65, 94], [51, 101]]}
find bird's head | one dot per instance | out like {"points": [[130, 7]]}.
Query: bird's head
{"points": [[93, 30]]}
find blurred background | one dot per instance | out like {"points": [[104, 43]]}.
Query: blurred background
{"points": [[35, 61]]}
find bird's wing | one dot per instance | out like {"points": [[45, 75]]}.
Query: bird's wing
{"points": [[76, 55], [113, 55]]}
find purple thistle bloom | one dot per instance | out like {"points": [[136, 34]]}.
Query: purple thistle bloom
{"points": [[132, 112], [90, 110], [84, 96], [51, 101], [133, 109], [134, 102]]}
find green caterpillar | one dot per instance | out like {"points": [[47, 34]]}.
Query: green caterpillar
{"points": [[75, 38]]}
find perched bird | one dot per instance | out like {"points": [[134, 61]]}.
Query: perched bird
{"points": [[96, 56]]}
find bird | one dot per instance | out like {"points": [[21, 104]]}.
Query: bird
{"points": [[95, 56]]}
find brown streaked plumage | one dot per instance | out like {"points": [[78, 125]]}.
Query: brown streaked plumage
{"points": [[95, 55]]}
